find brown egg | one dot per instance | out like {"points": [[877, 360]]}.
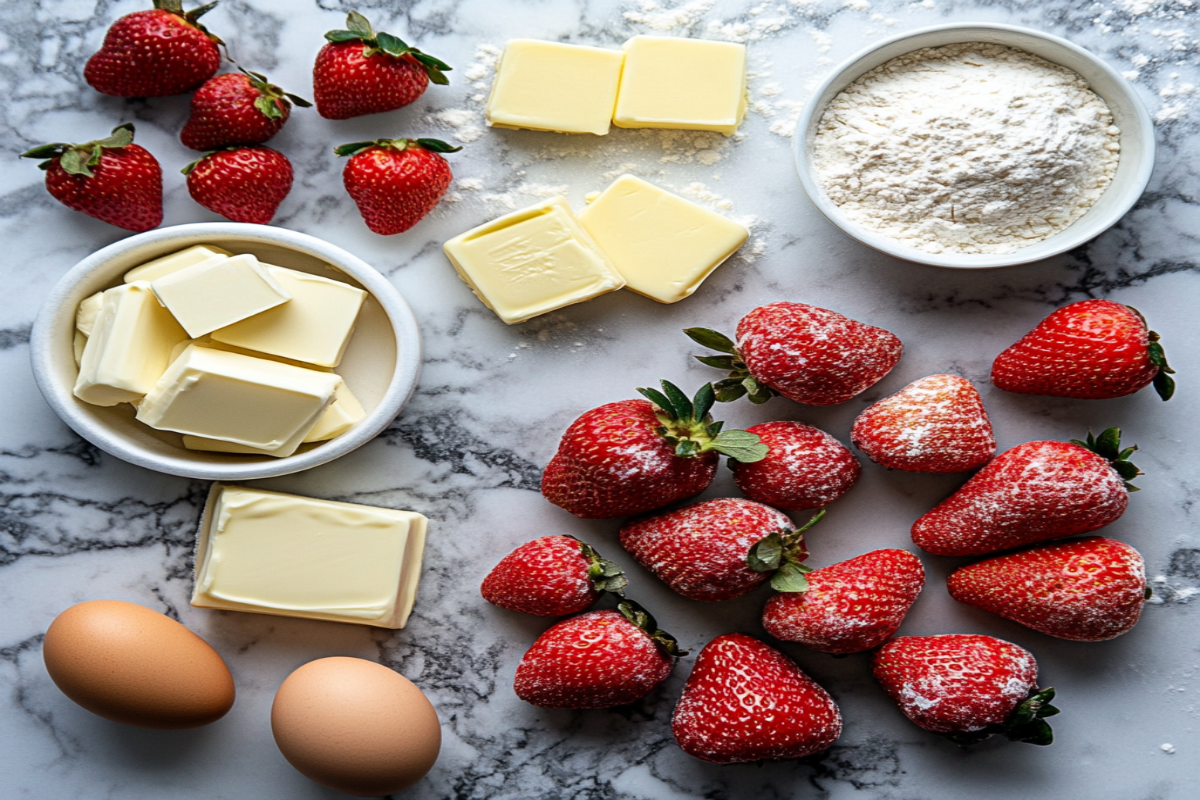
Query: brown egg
{"points": [[130, 664], [355, 726]]}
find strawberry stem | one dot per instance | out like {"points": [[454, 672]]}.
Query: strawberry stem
{"points": [[688, 426], [740, 382], [78, 159], [606, 576], [642, 618], [782, 552], [1108, 446], [359, 29], [1026, 723]]}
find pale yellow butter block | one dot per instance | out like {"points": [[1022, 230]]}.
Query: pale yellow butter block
{"points": [[664, 245], [532, 261], [314, 326], [549, 86], [254, 402], [77, 345], [218, 292], [160, 267], [130, 347], [694, 84], [85, 315], [272, 553]]}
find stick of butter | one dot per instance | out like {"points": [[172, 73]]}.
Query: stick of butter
{"points": [[218, 292], [248, 401], [160, 267], [664, 245], [273, 553], [532, 261], [694, 84], [129, 347], [549, 86]]}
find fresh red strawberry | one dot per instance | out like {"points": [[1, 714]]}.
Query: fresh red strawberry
{"points": [[599, 659], [711, 550], [746, 701], [396, 182], [634, 456], [1033, 492], [804, 468], [237, 108], [551, 577], [1086, 590], [363, 72], [936, 424], [155, 53], [805, 353], [966, 687], [1091, 350], [243, 184], [113, 179], [851, 606]]}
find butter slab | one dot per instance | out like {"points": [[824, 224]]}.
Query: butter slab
{"points": [[550, 86]]}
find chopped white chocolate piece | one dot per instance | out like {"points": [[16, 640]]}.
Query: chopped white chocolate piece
{"points": [[85, 315], [695, 84], [218, 292], [159, 267], [549, 86]]}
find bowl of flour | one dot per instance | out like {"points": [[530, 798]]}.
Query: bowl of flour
{"points": [[974, 145]]}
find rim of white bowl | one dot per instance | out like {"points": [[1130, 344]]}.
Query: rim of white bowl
{"points": [[43, 352], [1064, 240]]}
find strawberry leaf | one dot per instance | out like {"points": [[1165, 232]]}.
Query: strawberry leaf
{"points": [[642, 619], [429, 61], [789, 578], [46, 150], [720, 362], [741, 446], [680, 401], [268, 107], [766, 554], [75, 164], [712, 340], [702, 403], [354, 148], [660, 400], [728, 390], [437, 146], [392, 45], [342, 36], [1108, 443], [360, 25]]}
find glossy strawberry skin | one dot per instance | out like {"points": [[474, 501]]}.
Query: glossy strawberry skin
{"points": [[851, 606], [348, 84], [746, 701], [152, 53], [805, 467], [1085, 590], [245, 184], [1032, 492], [813, 355], [611, 462], [700, 550], [547, 577], [126, 189], [595, 660], [935, 424], [1093, 349], [394, 189], [223, 114], [956, 683]]}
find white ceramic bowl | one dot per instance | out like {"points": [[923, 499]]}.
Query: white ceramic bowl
{"points": [[1133, 170], [381, 364]]}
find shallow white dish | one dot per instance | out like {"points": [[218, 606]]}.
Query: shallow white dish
{"points": [[1133, 170], [381, 364]]}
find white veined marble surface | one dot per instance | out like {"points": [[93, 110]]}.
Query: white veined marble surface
{"points": [[77, 524]]}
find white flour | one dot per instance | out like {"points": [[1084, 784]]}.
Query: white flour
{"points": [[968, 148]]}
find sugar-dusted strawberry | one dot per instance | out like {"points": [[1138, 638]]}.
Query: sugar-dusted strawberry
{"points": [[1093, 349], [155, 53], [1086, 590], [552, 576], [804, 468], [598, 659], [113, 179], [849, 607], [237, 108], [361, 72], [396, 182], [966, 687], [808, 354], [1030, 493], [746, 701], [936, 424], [243, 184], [717, 549], [634, 456]]}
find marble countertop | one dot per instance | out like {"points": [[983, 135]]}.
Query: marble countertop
{"points": [[77, 524]]}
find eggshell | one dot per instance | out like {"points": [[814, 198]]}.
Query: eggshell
{"points": [[355, 726], [131, 664]]}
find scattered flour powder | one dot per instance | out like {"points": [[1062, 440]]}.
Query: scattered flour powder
{"points": [[968, 148]]}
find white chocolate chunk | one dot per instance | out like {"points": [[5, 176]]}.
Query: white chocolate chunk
{"points": [[85, 315], [694, 84], [549, 86], [160, 267], [218, 292]]}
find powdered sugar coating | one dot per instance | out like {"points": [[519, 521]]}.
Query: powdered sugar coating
{"points": [[804, 468], [547, 577], [612, 463], [700, 550], [746, 701], [1086, 590], [851, 606], [1032, 492], [935, 424], [813, 355], [596, 660], [955, 683]]}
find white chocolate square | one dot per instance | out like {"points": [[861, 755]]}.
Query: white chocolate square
{"points": [[218, 292], [549, 86], [694, 84], [161, 267]]}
